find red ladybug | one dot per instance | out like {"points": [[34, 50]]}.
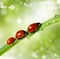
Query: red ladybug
{"points": [[20, 34], [33, 27], [10, 40]]}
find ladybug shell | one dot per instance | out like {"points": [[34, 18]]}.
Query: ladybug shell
{"points": [[20, 34], [33, 27], [10, 40]]}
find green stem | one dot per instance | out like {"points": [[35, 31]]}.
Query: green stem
{"points": [[6, 47], [55, 19]]}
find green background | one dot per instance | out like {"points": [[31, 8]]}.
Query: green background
{"points": [[18, 14]]}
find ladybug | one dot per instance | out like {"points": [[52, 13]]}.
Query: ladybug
{"points": [[10, 40], [33, 27], [20, 34]]}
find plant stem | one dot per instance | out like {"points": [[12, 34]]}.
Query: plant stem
{"points": [[6, 47], [53, 20]]}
